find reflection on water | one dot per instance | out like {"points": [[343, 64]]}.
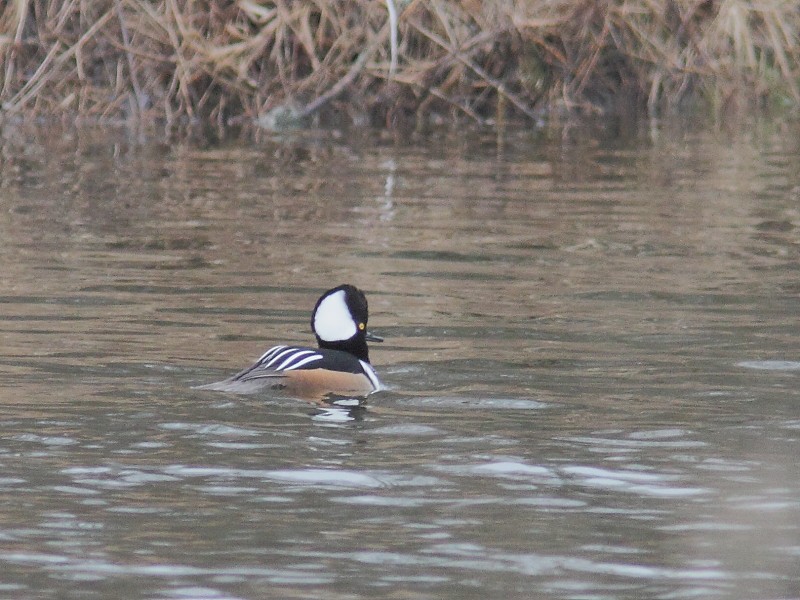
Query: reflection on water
{"points": [[591, 358]]}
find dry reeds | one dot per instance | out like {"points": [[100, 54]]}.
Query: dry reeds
{"points": [[237, 60]]}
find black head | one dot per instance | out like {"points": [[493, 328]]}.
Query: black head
{"points": [[339, 321]]}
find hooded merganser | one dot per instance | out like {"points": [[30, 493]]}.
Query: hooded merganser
{"points": [[339, 366]]}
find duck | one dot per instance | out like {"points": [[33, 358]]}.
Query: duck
{"points": [[338, 366]]}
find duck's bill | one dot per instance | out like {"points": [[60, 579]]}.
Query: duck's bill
{"points": [[371, 337]]}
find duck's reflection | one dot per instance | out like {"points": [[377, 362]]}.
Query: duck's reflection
{"points": [[340, 409]]}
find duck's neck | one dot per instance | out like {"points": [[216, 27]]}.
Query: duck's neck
{"points": [[356, 346]]}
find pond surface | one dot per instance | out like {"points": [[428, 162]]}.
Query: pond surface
{"points": [[591, 357]]}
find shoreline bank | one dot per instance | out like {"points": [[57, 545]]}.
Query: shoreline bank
{"points": [[277, 64]]}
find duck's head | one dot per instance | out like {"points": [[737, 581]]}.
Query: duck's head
{"points": [[339, 321]]}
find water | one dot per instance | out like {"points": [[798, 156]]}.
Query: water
{"points": [[592, 360]]}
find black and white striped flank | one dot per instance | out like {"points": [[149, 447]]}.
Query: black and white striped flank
{"points": [[287, 358]]}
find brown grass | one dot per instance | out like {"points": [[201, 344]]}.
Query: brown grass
{"points": [[236, 61]]}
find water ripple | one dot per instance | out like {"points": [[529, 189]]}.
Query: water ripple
{"points": [[304, 477], [770, 365], [476, 403], [634, 482]]}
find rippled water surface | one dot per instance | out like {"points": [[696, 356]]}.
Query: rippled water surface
{"points": [[591, 354]]}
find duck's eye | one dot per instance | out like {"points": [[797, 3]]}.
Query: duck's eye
{"points": [[361, 326]]}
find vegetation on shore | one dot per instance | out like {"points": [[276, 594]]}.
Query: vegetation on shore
{"points": [[393, 61]]}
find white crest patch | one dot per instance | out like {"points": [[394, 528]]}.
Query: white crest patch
{"points": [[333, 321]]}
